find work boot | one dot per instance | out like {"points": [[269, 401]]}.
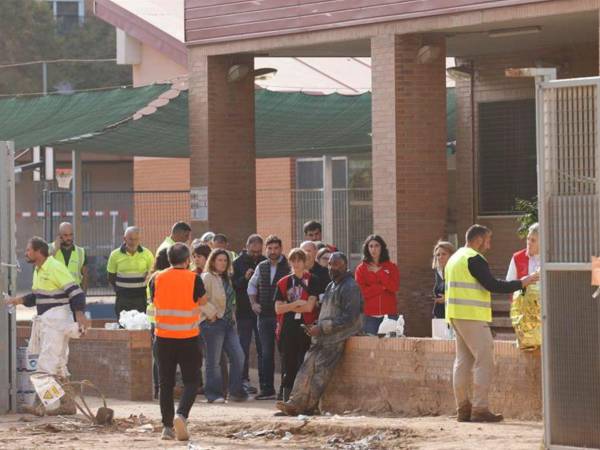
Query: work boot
{"points": [[485, 415], [180, 425], [67, 407], [288, 408], [167, 434], [464, 412], [37, 409]]}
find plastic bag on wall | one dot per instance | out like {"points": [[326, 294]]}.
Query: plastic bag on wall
{"points": [[525, 314]]}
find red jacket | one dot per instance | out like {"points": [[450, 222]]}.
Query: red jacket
{"points": [[521, 263], [379, 288]]}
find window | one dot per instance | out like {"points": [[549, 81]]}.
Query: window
{"points": [[507, 155], [68, 13]]}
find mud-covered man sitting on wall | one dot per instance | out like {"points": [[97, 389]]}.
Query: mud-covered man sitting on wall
{"points": [[339, 319]]}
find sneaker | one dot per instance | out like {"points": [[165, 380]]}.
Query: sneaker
{"points": [[217, 400], [167, 434], [181, 431], [265, 396], [239, 398], [250, 389]]}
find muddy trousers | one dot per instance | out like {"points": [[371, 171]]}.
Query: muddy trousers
{"points": [[474, 362], [314, 375]]}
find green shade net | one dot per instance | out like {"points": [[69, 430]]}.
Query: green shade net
{"points": [[287, 124], [49, 119]]}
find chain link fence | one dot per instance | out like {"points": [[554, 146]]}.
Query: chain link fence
{"points": [[105, 215]]}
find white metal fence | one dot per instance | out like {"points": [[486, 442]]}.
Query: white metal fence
{"points": [[569, 187]]}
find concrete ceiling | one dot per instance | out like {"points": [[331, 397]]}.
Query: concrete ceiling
{"points": [[556, 31]]}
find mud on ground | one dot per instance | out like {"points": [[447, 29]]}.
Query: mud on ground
{"points": [[252, 426]]}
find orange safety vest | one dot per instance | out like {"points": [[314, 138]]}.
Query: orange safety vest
{"points": [[177, 314]]}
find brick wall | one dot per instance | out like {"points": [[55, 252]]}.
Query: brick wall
{"points": [[222, 144], [410, 188], [118, 362], [161, 174], [413, 377], [490, 85], [274, 199]]}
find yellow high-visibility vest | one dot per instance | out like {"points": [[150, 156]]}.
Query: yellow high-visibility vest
{"points": [[466, 298], [75, 261]]}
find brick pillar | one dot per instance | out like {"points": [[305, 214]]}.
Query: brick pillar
{"points": [[222, 149], [410, 188]]}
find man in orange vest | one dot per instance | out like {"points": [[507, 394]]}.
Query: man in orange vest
{"points": [[179, 296]]}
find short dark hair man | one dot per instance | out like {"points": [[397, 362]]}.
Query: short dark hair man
{"points": [[180, 232], [219, 240], [261, 291], [243, 269], [57, 298], [313, 231], [178, 295], [469, 284]]}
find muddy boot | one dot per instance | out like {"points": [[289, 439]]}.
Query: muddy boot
{"points": [[485, 415], [464, 412], [288, 408], [67, 407], [37, 409]]}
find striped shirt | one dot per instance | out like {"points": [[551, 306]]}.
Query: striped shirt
{"points": [[130, 270], [53, 285]]}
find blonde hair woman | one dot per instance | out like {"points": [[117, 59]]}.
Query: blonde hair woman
{"points": [[442, 252]]}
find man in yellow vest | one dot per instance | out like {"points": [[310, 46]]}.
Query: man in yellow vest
{"points": [[179, 296], [180, 232], [128, 268], [469, 284], [57, 298], [71, 255]]}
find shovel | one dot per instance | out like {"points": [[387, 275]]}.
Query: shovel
{"points": [[74, 389]]}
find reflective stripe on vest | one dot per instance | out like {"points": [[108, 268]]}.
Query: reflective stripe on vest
{"points": [[166, 326], [76, 261], [176, 314], [131, 280], [466, 298]]}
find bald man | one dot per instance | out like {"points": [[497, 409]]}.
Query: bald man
{"points": [[339, 319], [65, 251], [128, 268]]}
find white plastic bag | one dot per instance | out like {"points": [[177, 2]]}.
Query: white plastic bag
{"points": [[47, 389], [134, 320], [387, 326]]}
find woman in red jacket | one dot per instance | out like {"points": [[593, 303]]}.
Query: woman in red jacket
{"points": [[378, 279]]}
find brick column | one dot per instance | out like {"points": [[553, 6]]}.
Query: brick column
{"points": [[222, 149], [410, 188]]}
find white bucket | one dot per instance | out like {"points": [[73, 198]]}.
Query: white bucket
{"points": [[440, 329]]}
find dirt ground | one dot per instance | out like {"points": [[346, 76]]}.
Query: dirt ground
{"points": [[252, 425]]}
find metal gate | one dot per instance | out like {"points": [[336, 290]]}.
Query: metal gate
{"points": [[8, 336], [569, 201]]}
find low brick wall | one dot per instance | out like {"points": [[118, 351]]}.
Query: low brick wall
{"points": [[118, 362], [413, 377]]}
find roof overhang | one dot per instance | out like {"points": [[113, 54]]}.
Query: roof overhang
{"points": [[143, 31]]}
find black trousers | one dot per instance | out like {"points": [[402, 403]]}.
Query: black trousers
{"points": [[293, 345], [127, 303], [172, 352]]}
